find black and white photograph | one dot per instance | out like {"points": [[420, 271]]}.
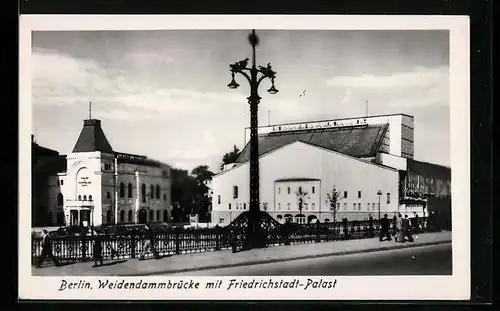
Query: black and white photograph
{"points": [[253, 159]]}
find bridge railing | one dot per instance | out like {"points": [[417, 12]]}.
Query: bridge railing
{"points": [[171, 241]]}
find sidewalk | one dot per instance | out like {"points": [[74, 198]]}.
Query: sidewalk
{"points": [[222, 259]]}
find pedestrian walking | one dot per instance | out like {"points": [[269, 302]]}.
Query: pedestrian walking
{"points": [[97, 250], [394, 226], [47, 250], [346, 230], [415, 223], [384, 229], [149, 244], [406, 230], [370, 225], [399, 229]]}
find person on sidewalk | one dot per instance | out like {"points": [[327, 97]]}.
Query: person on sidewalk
{"points": [[370, 225], [406, 230], [47, 250], [384, 229], [149, 244], [97, 250], [394, 226], [416, 220], [399, 229], [345, 224]]}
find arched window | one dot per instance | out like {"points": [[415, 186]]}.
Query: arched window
{"points": [[122, 190], [130, 216], [85, 197], [122, 216], [108, 217], [152, 191], [164, 197], [151, 215], [165, 215], [108, 195], [158, 191], [62, 182], [79, 197], [143, 193], [60, 199], [130, 191], [90, 197], [158, 215]]}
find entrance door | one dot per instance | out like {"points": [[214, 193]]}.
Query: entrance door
{"points": [[143, 216], [73, 217], [84, 218]]}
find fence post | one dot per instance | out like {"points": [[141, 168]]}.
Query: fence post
{"points": [[177, 242], [84, 248], [132, 246], [217, 239]]}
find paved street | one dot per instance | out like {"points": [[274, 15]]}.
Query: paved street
{"points": [[424, 260]]}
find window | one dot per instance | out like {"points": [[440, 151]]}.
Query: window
{"points": [[279, 206], [107, 166], [130, 191], [218, 199], [152, 191], [62, 182], [151, 215], [122, 216], [388, 198], [130, 216], [279, 190], [108, 195], [313, 206], [373, 206], [143, 193], [85, 198], [60, 199], [229, 205], [235, 192], [122, 190], [265, 206], [158, 192], [338, 206], [221, 220], [359, 206], [79, 197], [164, 197], [108, 217], [353, 206], [288, 190], [244, 206], [359, 194], [305, 206], [90, 197], [367, 206], [345, 206], [237, 206], [288, 205], [313, 189], [165, 216], [158, 215], [345, 194]]}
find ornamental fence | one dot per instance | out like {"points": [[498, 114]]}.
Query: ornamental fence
{"points": [[130, 242]]}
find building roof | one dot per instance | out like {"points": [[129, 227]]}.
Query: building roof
{"points": [[429, 169], [356, 141], [92, 138], [39, 151], [138, 159], [51, 164]]}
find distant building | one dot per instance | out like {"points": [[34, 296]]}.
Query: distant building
{"points": [[95, 185], [369, 160]]}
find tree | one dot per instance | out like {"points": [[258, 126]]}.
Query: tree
{"points": [[200, 203], [202, 173], [230, 157], [332, 199], [301, 195]]}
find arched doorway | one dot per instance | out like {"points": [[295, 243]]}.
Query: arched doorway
{"points": [[143, 216], [312, 219], [300, 218]]}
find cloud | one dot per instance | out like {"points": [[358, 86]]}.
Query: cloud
{"points": [[347, 95]]}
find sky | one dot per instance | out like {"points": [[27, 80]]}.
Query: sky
{"points": [[164, 94]]}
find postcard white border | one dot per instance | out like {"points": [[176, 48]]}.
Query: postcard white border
{"points": [[452, 287]]}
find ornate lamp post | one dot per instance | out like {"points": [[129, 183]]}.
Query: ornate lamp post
{"points": [[254, 76]]}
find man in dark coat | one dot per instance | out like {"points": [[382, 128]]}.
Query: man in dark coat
{"points": [[384, 229], [97, 250], [47, 250], [370, 225], [406, 230], [345, 225], [149, 243]]}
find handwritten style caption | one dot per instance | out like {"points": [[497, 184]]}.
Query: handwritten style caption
{"points": [[219, 284]]}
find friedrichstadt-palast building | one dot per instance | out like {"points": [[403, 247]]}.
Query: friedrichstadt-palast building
{"points": [[367, 160], [96, 185]]}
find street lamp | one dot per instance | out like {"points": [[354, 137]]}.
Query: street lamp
{"points": [[379, 193], [255, 239]]}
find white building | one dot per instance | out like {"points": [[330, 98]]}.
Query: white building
{"points": [[99, 185], [365, 159]]}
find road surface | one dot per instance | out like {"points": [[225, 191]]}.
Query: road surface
{"points": [[423, 260]]}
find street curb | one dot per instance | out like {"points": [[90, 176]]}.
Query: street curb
{"points": [[267, 261]]}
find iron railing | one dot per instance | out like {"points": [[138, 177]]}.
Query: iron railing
{"points": [[121, 244]]}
